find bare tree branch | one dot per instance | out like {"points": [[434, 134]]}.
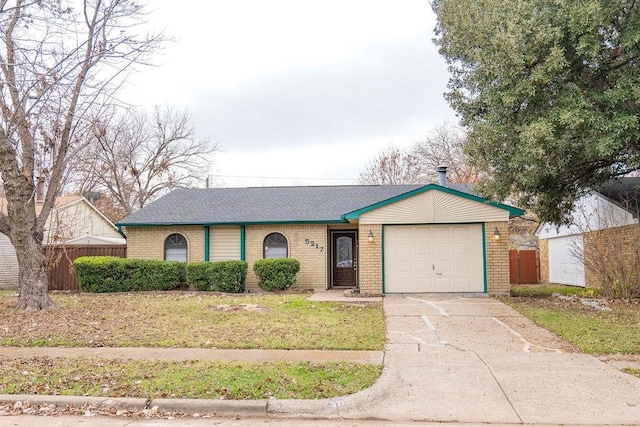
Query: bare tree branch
{"points": [[55, 66], [444, 146], [391, 166], [135, 157]]}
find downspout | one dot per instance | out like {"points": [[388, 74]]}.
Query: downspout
{"points": [[119, 227]]}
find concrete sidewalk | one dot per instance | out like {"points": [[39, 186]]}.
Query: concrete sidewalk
{"points": [[355, 356], [448, 358]]}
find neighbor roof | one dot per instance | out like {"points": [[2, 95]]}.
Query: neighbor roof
{"points": [[624, 192], [58, 202], [271, 204]]}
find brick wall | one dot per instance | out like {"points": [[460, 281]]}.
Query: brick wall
{"points": [[313, 259], [612, 255], [543, 245], [148, 242], [497, 258], [370, 259]]}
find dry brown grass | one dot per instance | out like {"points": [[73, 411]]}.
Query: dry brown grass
{"points": [[194, 319]]}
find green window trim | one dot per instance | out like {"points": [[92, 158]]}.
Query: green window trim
{"points": [[206, 242], [242, 243]]}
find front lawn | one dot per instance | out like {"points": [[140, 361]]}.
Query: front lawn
{"points": [[183, 379], [592, 331], [190, 319], [257, 321]]}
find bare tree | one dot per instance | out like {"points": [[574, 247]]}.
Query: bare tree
{"points": [[444, 146], [56, 64], [391, 166], [134, 157]]}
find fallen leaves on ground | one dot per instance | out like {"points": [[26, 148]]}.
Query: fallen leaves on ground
{"points": [[189, 379], [194, 319]]}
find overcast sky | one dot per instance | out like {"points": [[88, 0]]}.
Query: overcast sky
{"points": [[298, 92]]}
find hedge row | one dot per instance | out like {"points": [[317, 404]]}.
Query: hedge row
{"points": [[223, 276], [113, 274]]}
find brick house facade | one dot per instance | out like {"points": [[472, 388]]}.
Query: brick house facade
{"points": [[450, 215]]}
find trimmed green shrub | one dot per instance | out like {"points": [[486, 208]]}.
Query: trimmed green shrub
{"points": [[199, 276], [276, 274], [222, 276], [113, 274]]}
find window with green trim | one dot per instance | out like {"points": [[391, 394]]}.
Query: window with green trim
{"points": [[175, 248], [275, 246]]}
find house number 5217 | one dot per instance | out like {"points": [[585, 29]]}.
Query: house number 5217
{"points": [[313, 244]]}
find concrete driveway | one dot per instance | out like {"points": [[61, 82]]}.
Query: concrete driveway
{"points": [[452, 358]]}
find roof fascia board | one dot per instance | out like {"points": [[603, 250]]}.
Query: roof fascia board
{"points": [[356, 214], [164, 224]]}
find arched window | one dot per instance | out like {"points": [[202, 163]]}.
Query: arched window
{"points": [[175, 248], [275, 246]]}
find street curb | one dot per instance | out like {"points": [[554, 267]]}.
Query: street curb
{"points": [[125, 403], [245, 408]]}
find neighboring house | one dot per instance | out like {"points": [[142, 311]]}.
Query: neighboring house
{"points": [[380, 239], [604, 222], [72, 217]]}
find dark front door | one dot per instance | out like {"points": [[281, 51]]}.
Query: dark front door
{"points": [[343, 258]]}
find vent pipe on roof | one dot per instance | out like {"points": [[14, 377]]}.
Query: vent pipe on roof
{"points": [[442, 173]]}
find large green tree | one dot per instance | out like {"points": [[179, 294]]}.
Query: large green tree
{"points": [[550, 93]]}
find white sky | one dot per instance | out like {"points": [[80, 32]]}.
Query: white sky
{"points": [[298, 89]]}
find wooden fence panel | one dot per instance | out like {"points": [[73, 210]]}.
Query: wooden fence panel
{"points": [[60, 263], [513, 266], [523, 266]]}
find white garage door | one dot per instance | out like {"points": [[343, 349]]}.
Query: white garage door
{"points": [[565, 265], [433, 258]]}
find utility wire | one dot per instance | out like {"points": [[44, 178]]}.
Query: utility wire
{"points": [[285, 177]]}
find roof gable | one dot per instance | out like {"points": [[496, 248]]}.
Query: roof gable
{"points": [[58, 202], [431, 187]]}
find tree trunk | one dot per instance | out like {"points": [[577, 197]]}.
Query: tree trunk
{"points": [[32, 275]]}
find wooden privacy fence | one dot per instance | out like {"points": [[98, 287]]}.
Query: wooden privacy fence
{"points": [[60, 259], [523, 266]]}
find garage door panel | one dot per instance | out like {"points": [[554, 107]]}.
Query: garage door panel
{"points": [[434, 258], [443, 284], [441, 266], [442, 248], [461, 232], [442, 233], [423, 249], [465, 284], [404, 233], [423, 233], [564, 266], [462, 265], [423, 267], [405, 267], [461, 248]]}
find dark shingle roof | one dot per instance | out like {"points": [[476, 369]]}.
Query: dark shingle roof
{"points": [[265, 204]]}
